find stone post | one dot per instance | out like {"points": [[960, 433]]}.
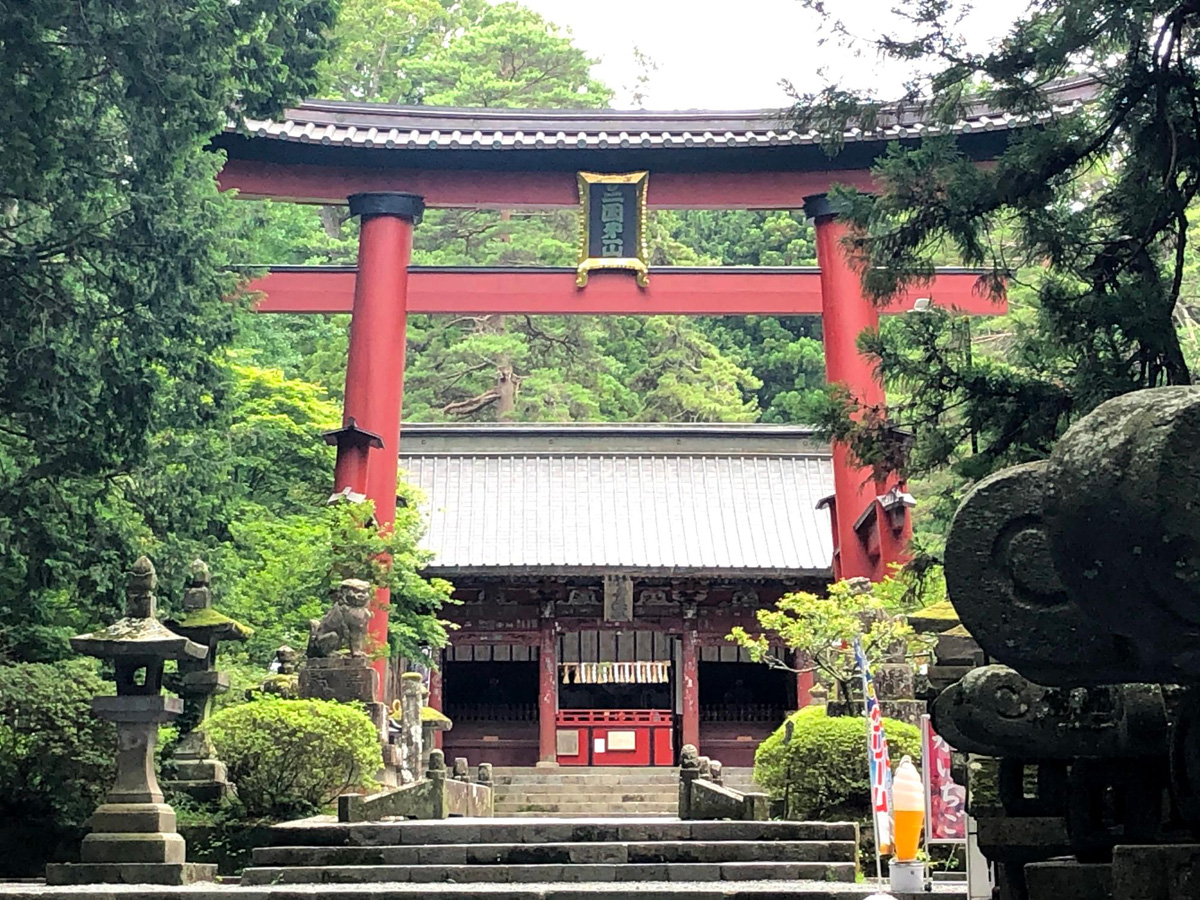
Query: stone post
{"points": [[411, 689], [689, 771], [437, 775]]}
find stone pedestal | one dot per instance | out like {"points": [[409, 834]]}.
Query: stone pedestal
{"points": [[199, 773], [133, 838], [344, 678], [1159, 872], [895, 688]]}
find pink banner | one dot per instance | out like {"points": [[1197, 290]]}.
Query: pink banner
{"points": [[945, 800]]}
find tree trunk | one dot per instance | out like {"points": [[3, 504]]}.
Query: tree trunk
{"points": [[507, 384]]}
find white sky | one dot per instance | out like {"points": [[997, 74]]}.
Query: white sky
{"points": [[732, 54]]}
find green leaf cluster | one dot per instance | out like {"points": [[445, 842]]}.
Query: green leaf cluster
{"points": [[823, 629], [292, 757], [56, 758], [112, 279], [821, 773], [1089, 217]]}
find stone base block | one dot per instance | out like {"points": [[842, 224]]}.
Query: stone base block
{"points": [[99, 847], [379, 716], [144, 818], [1022, 839], [201, 770], [1163, 872], [1066, 879], [129, 873], [344, 678], [203, 791], [909, 711]]}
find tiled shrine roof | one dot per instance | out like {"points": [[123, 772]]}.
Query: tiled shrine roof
{"points": [[387, 127], [640, 499]]}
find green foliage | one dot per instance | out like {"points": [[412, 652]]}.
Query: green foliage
{"points": [[510, 57], [291, 757], [111, 278], [822, 773], [1090, 213], [56, 759], [823, 628], [283, 571]]}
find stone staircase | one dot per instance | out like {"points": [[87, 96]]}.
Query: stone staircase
{"points": [[615, 791], [616, 852], [609, 791]]}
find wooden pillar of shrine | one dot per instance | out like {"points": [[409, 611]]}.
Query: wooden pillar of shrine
{"points": [[690, 667], [547, 686], [375, 365]]}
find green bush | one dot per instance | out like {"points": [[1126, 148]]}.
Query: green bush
{"points": [[291, 757], [56, 759], [822, 772]]}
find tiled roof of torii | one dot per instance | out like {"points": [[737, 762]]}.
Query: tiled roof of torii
{"points": [[382, 126]]}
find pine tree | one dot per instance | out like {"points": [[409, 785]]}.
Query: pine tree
{"points": [[1086, 215]]}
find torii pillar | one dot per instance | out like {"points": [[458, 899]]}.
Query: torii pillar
{"points": [[870, 519], [368, 454]]}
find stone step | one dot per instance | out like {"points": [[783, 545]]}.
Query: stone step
{"points": [[324, 831], [577, 853], [573, 787], [574, 810], [600, 812], [544, 873], [588, 779], [618, 802], [711, 890]]}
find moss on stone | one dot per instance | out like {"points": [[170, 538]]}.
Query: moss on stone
{"points": [[429, 714], [210, 618], [935, 618]]}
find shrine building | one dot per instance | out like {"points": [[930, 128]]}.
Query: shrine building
{"points": [[599, 569]]}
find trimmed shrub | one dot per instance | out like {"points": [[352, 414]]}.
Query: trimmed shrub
{"points": [[291, 757], [56, 759], [822, 772]]}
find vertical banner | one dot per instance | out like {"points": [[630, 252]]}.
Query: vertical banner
{"points": [[945, 800], [880, 762]]}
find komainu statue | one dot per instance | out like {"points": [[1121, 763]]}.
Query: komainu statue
{"points": [[344, 627], [1079, 577]]}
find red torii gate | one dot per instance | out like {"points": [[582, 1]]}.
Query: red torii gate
{"points": [[390, 162]]}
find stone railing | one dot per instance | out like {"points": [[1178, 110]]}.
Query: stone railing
{"points": [[441, 794], [703, 796]]}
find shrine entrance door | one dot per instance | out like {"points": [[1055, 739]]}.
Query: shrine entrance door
{"points": [[616, 699]]}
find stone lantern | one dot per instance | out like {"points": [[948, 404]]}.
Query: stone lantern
{"points": [[198, 772], [133, 837]]}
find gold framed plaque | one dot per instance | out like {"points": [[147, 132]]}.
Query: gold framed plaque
{"points": [[612, 224]]}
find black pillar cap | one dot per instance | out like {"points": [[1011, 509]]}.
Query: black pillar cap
{"points": [[817, 206], [351, 435], [388, 203]]}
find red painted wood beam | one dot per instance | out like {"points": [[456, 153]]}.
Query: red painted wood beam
{"points": [[681, 291], [478, 189]]}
